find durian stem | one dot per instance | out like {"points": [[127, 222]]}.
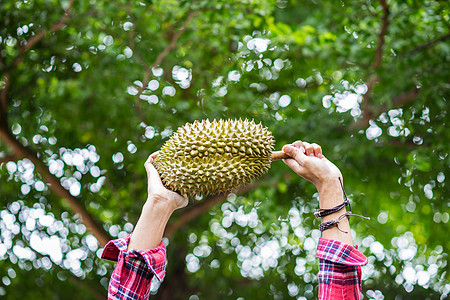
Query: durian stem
{"points": [[278, 155]]}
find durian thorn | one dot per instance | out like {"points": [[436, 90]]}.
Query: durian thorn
{"points": [[278, 155]]}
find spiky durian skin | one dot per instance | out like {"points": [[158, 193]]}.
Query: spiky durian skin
{"points": [[214, 157]]}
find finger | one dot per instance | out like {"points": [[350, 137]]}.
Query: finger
{"points": [[317, 150], [309, 149], [154, 154], [153, 175], [295, 153], [293, 164], [178, 197], [150, 160], [184, 196], [185, 200], [299, 145]]}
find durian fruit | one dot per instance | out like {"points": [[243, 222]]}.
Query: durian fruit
{"points": [[214, 157]]}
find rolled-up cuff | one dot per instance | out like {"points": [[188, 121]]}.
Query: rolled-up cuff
{"points": [[339, 252], [155, 258]]}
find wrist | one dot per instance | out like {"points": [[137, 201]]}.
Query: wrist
{"points": [[330, 193], [151, 224], [329, 184]]}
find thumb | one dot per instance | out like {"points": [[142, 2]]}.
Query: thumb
{"points": [[296, 153], [149, 162], [152, 174]]}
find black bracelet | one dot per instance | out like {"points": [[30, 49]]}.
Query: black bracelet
{"points": [[327, 225], [326, 211], [321, 212]]}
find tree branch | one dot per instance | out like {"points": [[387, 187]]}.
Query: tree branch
{"points": [[21, 151], [158, 61], [367, 112], [4, 100], [428, 44], [403, 98], [4, 93], [381, 35], [199, 208], [54, 183], [36, 38]]}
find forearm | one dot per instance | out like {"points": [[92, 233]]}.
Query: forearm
{"points": [[331, 195], [150, 227]]}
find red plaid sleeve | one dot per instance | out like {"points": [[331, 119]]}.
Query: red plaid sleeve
{"points": [[131, 279], [339, 270]]}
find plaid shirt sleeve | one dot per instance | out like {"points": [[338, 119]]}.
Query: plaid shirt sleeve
{"points": [[339, 270], [131, 279]]}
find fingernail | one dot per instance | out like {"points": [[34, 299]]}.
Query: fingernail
{"points": [[302, 150]]}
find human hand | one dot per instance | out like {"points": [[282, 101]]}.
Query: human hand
{"points": [[156, 190], [309, 162], [158, 208]]}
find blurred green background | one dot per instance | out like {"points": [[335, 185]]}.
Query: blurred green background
{"points": [[90, 88]]}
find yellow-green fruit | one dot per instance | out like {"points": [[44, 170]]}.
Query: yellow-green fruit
{"points": [[213, 157]]}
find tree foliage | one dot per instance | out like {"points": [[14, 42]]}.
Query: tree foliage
{"points": [[90, 88]]}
